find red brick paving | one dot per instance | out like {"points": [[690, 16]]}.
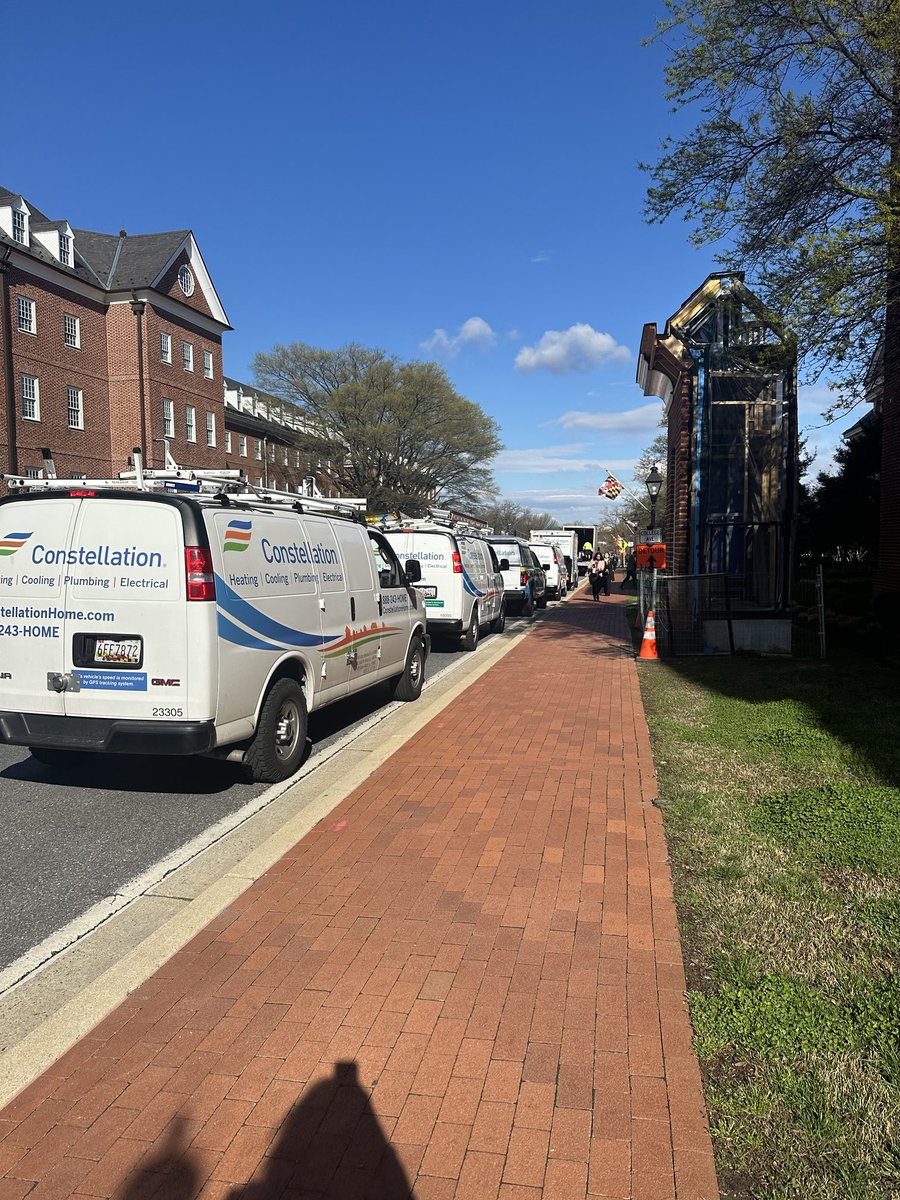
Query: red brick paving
{"points": [[465, 982]]}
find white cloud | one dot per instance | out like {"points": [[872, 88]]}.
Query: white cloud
{"points": [[548, 460], [643, 420], [542, 256], [578, 348], [474, 332]]}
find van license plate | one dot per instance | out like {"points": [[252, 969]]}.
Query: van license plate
{"points": [[118, 650], [428, 592]]}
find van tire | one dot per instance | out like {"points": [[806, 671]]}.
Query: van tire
{"points": [[542, 603], [279, 744], [528, 605], [499, 622], [470, 637], [408, 685]]}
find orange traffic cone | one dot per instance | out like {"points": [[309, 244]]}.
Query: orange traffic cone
{"points": [[648, 644]]}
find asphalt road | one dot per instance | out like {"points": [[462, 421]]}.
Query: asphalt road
{"points": [[69, 838]]}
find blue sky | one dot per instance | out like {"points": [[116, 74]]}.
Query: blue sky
{"points": [[456, 182]]}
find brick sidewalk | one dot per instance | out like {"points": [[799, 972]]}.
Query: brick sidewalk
{"points": [[466, 982]]}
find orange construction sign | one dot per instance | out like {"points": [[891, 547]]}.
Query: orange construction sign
{"points": [[651, 556]]}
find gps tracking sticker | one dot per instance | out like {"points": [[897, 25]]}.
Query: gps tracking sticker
{"points": [[238, 535]]}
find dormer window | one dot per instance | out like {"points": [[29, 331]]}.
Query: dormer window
{"points": [[65, 250], [20, 226]]}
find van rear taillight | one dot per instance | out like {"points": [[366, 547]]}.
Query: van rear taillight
{"points": [[198, 567], [523, 578], [457, 563]]}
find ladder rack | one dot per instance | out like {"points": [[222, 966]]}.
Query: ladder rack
{"points": [[228, 486], [438, 521]]}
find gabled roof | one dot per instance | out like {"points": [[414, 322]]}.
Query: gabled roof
{"points": [[128, 262], [119, 262]]}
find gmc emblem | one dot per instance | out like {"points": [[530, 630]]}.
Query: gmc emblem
{"points": [[166, 682]]}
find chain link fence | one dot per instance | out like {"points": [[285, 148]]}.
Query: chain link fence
{"points": [[715, 614]]}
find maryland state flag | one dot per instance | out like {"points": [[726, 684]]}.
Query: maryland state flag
{"points": [[610, 488]]}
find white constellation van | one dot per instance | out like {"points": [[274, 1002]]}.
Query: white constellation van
{"points": [[552, 560], [461, 582], [140, 622]]}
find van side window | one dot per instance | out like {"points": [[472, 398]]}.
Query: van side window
{"points": [[495, 562], [386, 565]]}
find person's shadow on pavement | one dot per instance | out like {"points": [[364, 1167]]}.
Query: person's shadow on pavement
{"points": [[331, 1145]]}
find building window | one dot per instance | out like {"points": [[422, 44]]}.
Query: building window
{"points": [[65, 249], [259, 448], [227, 441], [187, 355], [75, 407], [33, 473], [207, 364], [72, 331], [242, 446], [186, 280], [296, 458], [284, 456], [259, 481], [26, 315], [20, 227], [210, 429], [165, 348], [31, 397], [168, 419], [271, 454], [190, 421]]}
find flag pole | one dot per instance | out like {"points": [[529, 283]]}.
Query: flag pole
{"points": [[636, 499]]}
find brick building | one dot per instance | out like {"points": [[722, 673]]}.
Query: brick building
{"points": [[264, 438], [727, 374], [106, 343]]}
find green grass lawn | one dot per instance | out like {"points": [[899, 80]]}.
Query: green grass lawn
{"points": [[780, 787]]}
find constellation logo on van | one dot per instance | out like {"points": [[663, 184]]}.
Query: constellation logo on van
{"points": [[238, 535], [13, 542]]}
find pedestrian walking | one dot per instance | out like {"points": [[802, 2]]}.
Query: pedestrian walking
{"points": [[596, 569], [630, 570]]}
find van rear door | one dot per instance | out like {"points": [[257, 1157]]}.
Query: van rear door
{"points": [[128, 625], [33, 603]]}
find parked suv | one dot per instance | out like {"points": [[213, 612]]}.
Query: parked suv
{"points": [[524, 581]]}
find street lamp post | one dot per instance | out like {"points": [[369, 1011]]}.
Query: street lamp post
{"points": [[653, 483]]}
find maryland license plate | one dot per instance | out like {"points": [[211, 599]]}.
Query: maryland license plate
{"points": [[118, 650]]}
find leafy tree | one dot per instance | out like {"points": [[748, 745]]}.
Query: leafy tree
{"points": [[839, 515], [795, 161], [506, 516], [396, 433]]}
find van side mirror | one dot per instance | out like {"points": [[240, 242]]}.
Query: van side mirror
{"points": [[413, 569], [504, 564]]}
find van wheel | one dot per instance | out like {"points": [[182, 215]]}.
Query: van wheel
{"points": [[408, 686], [470, 637], [499, 622], [542, 603], [280, 741], [528, 605]]}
